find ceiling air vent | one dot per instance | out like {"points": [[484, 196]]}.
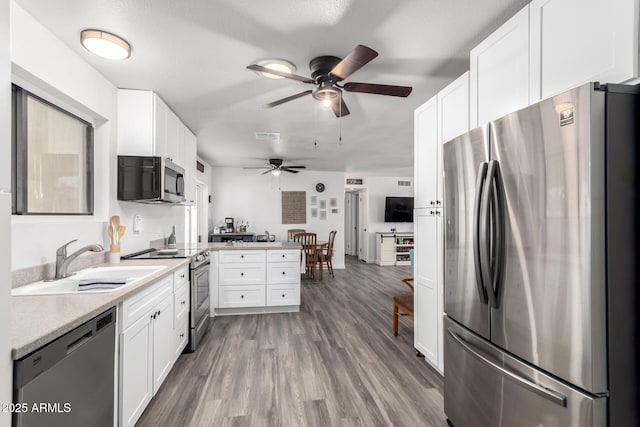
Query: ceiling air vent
{"points": [[267, 136], [404, 183], [354, 181]]}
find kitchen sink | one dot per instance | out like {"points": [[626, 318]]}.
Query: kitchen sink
{"points": [[97, 275]]}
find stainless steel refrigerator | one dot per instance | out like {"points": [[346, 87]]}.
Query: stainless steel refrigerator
{"points": [[541, 246]]}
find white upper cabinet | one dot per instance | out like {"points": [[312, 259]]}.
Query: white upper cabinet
{"points": [[453, 109], [426, 154], [500, 71], [577, 41], [190, 159], [148, 127]]}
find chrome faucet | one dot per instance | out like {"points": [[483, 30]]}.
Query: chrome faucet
{"points": [[63, 261]]}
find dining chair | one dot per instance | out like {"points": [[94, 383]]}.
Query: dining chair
{"points": [[326, 253], [309, 251], [291, 233], [402, 305]]}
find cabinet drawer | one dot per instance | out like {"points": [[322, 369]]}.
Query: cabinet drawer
{"points": [[246, 296], [283, 256], [180, 276], [283, 273], [242, 256], [181, 303], [283, 295], [180, 337], [139, 304], [242, 274]]}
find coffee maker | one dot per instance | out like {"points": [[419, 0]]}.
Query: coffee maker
{"points": [[229, 225]]}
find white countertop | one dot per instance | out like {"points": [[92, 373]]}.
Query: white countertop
{"points": [[39, 319]]}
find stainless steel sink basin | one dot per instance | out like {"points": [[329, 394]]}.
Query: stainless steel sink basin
{"points": [[70, 285]]}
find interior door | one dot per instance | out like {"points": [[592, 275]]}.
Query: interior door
{"points": [[464, 296], [363, 241], [551, 299]]}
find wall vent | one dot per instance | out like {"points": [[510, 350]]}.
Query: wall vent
{"points": [[267, 136], [404, 183], [355, 181]]}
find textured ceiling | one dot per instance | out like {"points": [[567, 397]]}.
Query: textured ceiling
{"points": [[193, 53]]}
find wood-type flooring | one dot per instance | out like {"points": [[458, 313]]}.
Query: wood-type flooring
{"points": [[335, 363]]}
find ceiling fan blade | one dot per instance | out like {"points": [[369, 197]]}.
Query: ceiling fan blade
{"points": [[340, 109], [266, 172], [359, 57], [375, 89], [295, 167], [287, 99], [285, 168], [262, 69], [254, 167]]}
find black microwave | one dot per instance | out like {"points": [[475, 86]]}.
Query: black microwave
{"points": [[150, 179]]}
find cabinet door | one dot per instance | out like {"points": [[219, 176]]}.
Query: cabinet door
{"points": [[500, 71], [190, 159], [453, 109], [426, 154], [161, 117], [428, 318], [162, 342], [136, 374], [577, 41], [173, 138], [180, 337]]}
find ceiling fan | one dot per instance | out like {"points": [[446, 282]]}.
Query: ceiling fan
{"points": [[276, 167], [327, 72]]}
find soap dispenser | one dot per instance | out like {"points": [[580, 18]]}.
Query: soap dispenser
{"points": [[171, 241]]}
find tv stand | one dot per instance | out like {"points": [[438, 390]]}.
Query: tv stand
{"points": [[393, 248]]}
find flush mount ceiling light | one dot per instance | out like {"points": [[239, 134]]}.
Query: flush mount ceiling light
{"points": [[105, 44], [278, 65]]}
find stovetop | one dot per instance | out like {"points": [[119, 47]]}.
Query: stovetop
{"points": [[164, 253]]}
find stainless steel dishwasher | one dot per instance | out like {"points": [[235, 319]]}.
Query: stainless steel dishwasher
{"points": [[70, 381]]}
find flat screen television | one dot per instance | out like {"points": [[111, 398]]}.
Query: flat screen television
{"points": [[398, 209]]}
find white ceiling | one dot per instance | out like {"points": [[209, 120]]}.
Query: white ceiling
{"points": [[193, 53]]}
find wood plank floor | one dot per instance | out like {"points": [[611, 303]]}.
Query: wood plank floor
{"points": [[335, 363]]}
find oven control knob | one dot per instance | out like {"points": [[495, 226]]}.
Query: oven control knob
{"points": [[199, 258]]}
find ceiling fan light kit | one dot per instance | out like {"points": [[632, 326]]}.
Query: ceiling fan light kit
{"points": [[327, 72], [105, 44]]}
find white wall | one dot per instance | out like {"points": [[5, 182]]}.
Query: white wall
{"points": [[248, 196], [377, 189], [45, 65], [5, 183]]}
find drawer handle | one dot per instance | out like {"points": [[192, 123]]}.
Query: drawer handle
{"points": [[241, 296], [242, 274], [283, 273], [153, 316], [241, 256], [158, 313], [183, 302], [282, 255], [181, 335], [282, 295]]}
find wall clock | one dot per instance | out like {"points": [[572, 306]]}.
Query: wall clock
{"points": [[319, 187]]}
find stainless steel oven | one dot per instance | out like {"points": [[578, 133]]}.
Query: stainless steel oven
{"points": [[200, 312]]}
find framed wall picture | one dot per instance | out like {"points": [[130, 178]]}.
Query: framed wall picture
{"points": [[314, 212], [314, 200], [323, 215], [323, 204], [333, 202]]}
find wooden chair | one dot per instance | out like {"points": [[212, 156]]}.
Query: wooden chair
{"points": [[309, 251], [402, 305], [326, 255], [291, 233]]}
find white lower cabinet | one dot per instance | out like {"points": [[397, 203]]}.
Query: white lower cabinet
{"points": [[155, 325], [257, 280], [428, 286]]}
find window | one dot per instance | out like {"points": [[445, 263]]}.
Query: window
{"points": [[52, 169]]}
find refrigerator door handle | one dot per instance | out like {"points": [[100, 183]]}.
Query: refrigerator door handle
{"points": [[542, 391], [485, 226], [480, 179], [499, 236]]}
